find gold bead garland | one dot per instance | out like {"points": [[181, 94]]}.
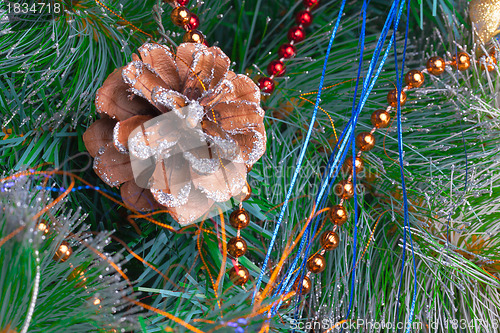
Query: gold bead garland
{"points": [[365, 141], [237, 246]]}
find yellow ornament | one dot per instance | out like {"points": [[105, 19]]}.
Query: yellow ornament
{"points": [[485, 18]]}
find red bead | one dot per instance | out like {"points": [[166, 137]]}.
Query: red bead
{"points": [[266, 85], [182, 2], [194, 22], [311, 3], [276, 68], [287, 51], [296, 34], [304, 17]]}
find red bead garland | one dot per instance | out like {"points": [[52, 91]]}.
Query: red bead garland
{"points": [[304, 18], [311, 3], [276, 68], [194, 22], [296, 34], [266, 84], [182, 2], [287, 51]]}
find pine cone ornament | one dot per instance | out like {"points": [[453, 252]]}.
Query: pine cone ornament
{"points": [[177, 131]]}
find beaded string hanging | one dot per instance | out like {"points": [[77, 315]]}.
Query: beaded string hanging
{"points": [[365, 141]]}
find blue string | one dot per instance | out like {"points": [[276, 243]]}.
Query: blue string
{"points": [[399, 79], [355, 221], [338, 156], [301, 156]]}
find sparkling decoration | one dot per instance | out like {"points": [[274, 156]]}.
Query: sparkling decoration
{"points": [[316, 263], [414, 78], [365, 141], [193, 36], [329, 240], [187, 137], [266, 84], [380, 118], [287, 51], [236, 247], [276, 68], [338, 215], [180, 16], [392, 98], [304, 18], [296, 34], [239, 219], [463, 62], [194, 22], [485, 18], [344, 189], [182, 2], [63, 252], [436, 65], [306, 285], [239, 275]]}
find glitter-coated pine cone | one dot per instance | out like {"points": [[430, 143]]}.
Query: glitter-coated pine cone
{"points": [[177, 131]]}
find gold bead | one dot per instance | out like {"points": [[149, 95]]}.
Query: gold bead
{"points": [[365, 141], [436, 65], [63, 252], [236, 247], [488, 62], [193, 36], [316, 263], [338, 215], [239, 219], [463, 62], [414, 78], [246, 192], [344, 190], [180, 16], [239, 276], [306, 285], [381, 118], [329, 240], [392, 98], [347, 167]]}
